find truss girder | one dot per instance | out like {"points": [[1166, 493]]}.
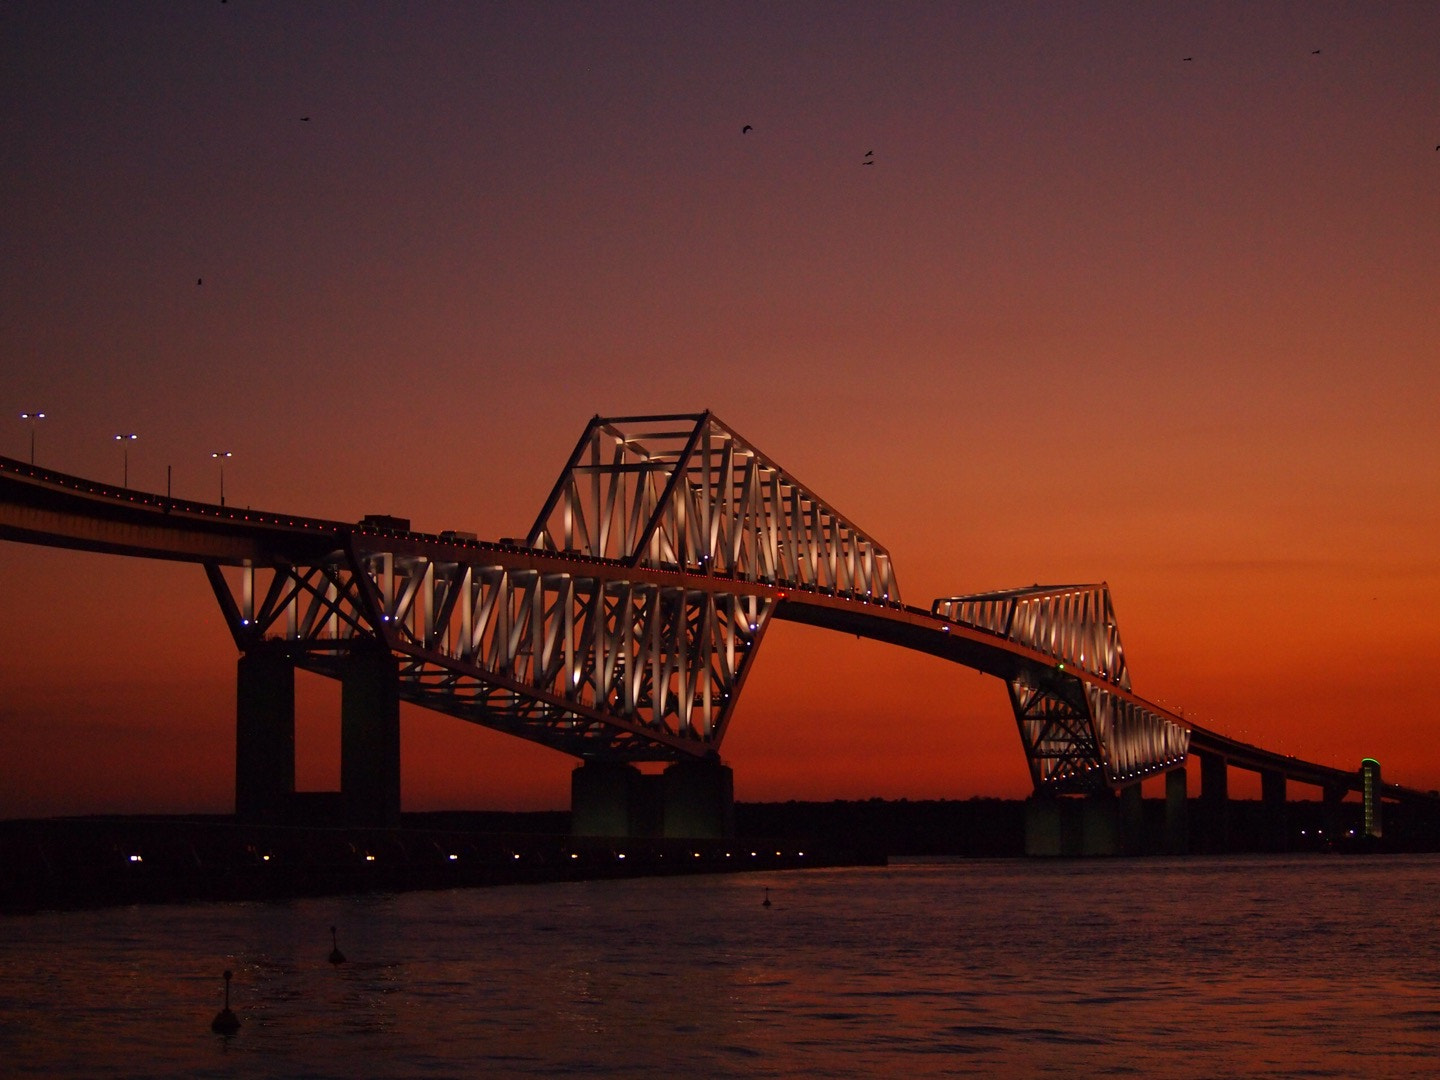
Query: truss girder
{"points": [[1080, 737], [688, 493], [1060, 742], [1135, 741], [1073, 623], [594, 666]]}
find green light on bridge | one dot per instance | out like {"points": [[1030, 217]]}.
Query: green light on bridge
{"points": [[1370, 796]]}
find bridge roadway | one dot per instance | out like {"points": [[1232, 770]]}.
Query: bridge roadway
{"points": [[40, 506]]}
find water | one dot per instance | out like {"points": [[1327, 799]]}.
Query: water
{"points": [[1316, 966]]}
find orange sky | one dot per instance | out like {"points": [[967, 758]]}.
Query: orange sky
{"points": [[1097, 312]]}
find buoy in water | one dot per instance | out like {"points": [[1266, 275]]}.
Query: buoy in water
{"points": [[336, 956], [226, 1022]]}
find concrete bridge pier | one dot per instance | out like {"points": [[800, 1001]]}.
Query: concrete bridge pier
{"points": [[370, 737], [1177, 812], [1073, 826], [1133, 838], [1333, 800], [690, 800], [1044, 830], [606, 799], [1272, 800], [264, 737], [699, 800], [1214, 803]]}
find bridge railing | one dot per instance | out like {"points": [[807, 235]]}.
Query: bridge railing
{"points": [[686, 492]]}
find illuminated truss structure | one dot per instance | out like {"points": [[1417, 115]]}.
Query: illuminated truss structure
{"points": [[597, 664], [1078, 735], [1073, 623], [687, 493], [621, 631]]}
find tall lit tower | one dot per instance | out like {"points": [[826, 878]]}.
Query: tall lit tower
{"points": [[1370, 789]]}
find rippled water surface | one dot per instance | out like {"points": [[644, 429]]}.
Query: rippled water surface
{"points": [[1317, 966]]}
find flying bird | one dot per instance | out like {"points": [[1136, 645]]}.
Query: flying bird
{"points": [[746, 130], [869, 153], [1314, 52], [1187, 58], [306, 119], [201, 280]]}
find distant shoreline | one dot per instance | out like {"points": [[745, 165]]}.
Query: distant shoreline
{"points": [[107, 860]]}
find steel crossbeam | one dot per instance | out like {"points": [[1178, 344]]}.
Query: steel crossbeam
{"points": [[605, 665], [687, 493]]}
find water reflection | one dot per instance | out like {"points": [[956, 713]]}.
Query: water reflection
{"points": [[1184, 968]]}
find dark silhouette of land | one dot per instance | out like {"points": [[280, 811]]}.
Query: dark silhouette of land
{"points": [[105, 860]]}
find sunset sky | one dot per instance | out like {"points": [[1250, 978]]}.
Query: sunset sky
{"points": [[1134, 292]]}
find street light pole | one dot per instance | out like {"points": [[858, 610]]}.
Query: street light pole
{"points": [[32, 417], [220, 456], [125, 441]]}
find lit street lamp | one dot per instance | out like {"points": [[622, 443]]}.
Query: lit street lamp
{"points": [[125, 441], [220, 456], [32, 417]]}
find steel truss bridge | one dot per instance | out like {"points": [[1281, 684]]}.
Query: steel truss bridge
{"points": [[622, 627]]}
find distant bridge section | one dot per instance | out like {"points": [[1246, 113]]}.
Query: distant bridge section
{"points": [[1073, 623], [1079, 734]]}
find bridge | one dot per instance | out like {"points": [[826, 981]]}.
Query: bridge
{"points": [[620, 631]]}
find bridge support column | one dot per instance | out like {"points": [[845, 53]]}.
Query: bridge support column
{"points": [[1215, 803], [1100, 828], [1044, 832], [1272, 801], [1073, 826], [1334, 803], [264, 737], [1132, 820], [1177, 807], [605, 800], [370, 738], [699, 801]]}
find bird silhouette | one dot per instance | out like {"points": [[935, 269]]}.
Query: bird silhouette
{"points": [[199, 281], [869, 153], [226, 1022], [1187, 58], [336, 956], [1314, 52], [305, 119], [746, 130]]}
